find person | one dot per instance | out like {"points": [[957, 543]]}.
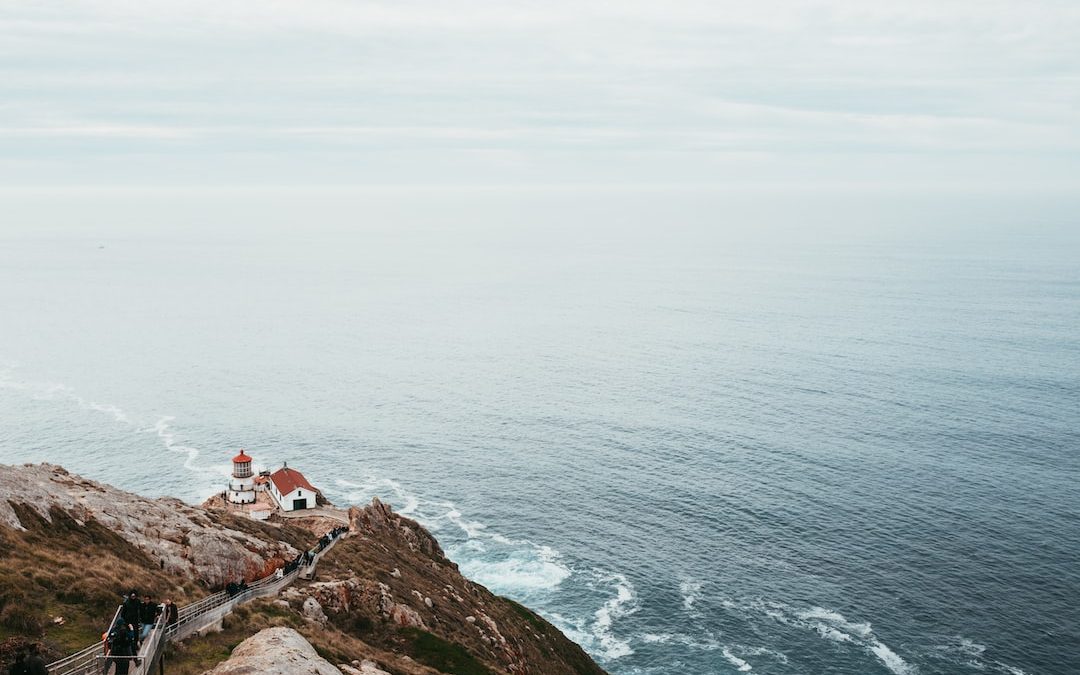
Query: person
{"points": [[172, 613], [19, 666], [35, 665], [121, 647], [131, 610], [148, 614]]}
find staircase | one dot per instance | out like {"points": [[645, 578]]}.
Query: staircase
{"points": [[191, 619]]}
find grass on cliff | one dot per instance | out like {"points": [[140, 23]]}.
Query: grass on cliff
{"points": [[199, 654], [297, 537], [76, 572], [569, 652], [432, 650]]}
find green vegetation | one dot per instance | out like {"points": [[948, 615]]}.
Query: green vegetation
{"points": [[527, 614], [569, 653], [432, 650]]}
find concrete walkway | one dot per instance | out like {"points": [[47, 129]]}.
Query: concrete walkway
{"points": [[335, 514]]}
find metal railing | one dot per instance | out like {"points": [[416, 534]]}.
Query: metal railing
{"points": [[191, 619], [86, 661]]}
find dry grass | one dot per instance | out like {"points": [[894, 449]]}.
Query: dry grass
{"points": [[77, 572]]}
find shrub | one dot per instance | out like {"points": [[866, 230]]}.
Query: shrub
{"points": [[432, 650], [22, 616]]}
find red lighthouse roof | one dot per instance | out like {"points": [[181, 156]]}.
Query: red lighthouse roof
{"points": [[241, 458]]}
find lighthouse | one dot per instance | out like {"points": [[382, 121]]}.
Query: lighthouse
{"points": [[242, 483]]}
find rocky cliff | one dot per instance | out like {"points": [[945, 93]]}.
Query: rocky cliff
{"points": [[386, 598], [208, 546]]}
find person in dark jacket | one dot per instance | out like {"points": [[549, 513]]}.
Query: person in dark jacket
{"points": [[131, 613], [19, 667], [131, 610], [148, 614], [172, 613], [35, 665], [122, 646]]}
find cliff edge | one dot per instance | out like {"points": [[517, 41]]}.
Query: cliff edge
{"points": [[386, 599]]}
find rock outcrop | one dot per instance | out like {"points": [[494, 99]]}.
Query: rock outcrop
{"points": [[386, 599], [275, 651], [179, 536], [379, 519], [392, 575]]}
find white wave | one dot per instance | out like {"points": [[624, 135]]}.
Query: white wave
{"points": [[832, 625], [861, 629], [623, 604], [691, 591], [596, 633], [44, 391], [709, 644], [658, 638], [742, 665], [403, 501], [471, 528], [163, 428], [890, 658], [517, 568], [761, 651], [973, 654], [970, 647], [521, 573], [830, 633]]}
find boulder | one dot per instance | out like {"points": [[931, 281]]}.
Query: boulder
{"points": [[403, 615], [362, 668], [275, 651], [313, 610]]}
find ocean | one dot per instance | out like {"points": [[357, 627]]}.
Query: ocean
{"points": [[698, 435]]}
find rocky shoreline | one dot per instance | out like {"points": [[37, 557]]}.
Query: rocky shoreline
{"points": [[385, 600]]}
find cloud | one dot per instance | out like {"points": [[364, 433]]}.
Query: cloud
{"points": [[571, 88]]}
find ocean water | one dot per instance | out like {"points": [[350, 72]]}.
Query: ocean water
{"points": [[698, 438]]}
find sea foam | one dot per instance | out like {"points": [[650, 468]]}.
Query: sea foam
{"points": [[741, 664], [834, 626]]}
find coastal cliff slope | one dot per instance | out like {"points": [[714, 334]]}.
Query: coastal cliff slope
{"points": [[385, 599]]}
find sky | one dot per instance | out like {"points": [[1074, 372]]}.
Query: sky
{"points": [[979, 95]]}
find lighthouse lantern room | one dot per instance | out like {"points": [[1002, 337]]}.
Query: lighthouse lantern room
{"points": [[242, 483]]}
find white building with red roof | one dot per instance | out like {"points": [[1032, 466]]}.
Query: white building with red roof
{"points": [[291, 490]]}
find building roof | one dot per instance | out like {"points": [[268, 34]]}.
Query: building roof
{"points": [[242, 457], [286, 480]]}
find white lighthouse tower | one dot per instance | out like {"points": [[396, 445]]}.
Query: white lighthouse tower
{"points": [[242, 483]]}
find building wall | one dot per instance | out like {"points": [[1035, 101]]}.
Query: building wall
{"points": [[241, 496], [286, 501]]}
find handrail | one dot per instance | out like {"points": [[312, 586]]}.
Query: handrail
{"points": [[191, 618], [83, 661]]}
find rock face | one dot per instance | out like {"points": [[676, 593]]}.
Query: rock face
{"points": [[386, 598], [392, 575], [275, 651], [380, 519], [182, 538]]}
